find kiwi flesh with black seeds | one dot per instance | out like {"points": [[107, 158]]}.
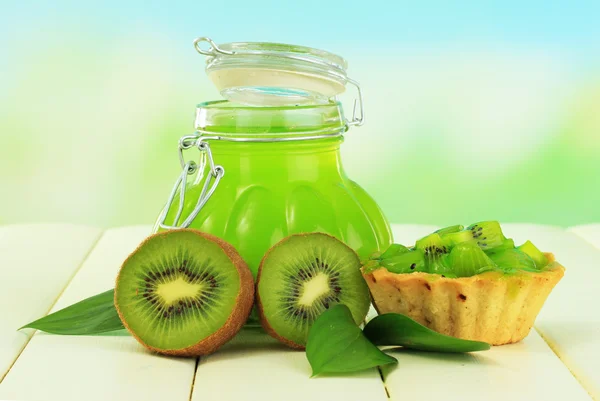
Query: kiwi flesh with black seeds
{"points": [[436, 252], [487, 234], [184, 293], [302, 276]]}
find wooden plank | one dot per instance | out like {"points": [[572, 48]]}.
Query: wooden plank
{"points": [[254, 366], [37, 261], [97, 367], [589, 232], [570, 321], [525, 371]]}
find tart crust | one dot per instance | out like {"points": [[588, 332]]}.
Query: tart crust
{"points": [[493, 307]]}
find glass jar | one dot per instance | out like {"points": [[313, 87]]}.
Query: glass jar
{"points": [[269, 157], [269, 172]]}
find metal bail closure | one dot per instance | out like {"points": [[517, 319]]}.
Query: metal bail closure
{"points": [[216, 172], [359, 119], [212, 50]]}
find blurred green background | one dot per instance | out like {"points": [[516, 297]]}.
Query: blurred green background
{"points": [[474, 112]]}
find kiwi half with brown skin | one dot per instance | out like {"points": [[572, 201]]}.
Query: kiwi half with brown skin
{"points": [[302, 276], [184, 293]]}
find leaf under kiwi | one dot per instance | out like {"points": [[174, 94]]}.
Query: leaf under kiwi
{"points": [[337, 345], [94, 315]]}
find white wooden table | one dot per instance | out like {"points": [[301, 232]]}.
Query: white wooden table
{"points": [[44, 268]]}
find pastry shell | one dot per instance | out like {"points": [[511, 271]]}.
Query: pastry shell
{"points": [[493, 307]]}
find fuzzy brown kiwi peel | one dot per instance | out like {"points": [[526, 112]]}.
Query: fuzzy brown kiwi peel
{"points": [[302, 276], [184, 293]]}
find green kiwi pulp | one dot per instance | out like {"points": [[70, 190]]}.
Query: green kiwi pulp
{"points": [[467, 259], [487, 234], [408, 262], [534, 253], [184, 292], [506, 244], [436, 252], [511, 260], [302, 276], [393, 250], [449, 230]]}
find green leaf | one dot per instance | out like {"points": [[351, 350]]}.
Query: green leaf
{"points": [[397, 329], [93, 315], [337, 345]]}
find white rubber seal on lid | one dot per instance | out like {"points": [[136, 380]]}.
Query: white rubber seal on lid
{"points": [[272, 74]]}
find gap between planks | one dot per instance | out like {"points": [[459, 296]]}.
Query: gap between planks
{"points": [[367, 318], [83, 260], [194, 379], [387, 392], [553, 349]]}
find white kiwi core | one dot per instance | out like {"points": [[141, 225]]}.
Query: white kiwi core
{"points": [[177, 289], [314, 288]]}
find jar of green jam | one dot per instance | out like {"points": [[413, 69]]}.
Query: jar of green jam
{"points": [[266, 163]]}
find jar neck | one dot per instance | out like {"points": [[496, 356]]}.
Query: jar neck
{"points": [[286, 161]]}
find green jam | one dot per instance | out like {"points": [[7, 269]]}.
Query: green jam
{"points": [[274, 189]]}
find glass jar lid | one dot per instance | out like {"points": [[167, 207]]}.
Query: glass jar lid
{"points": [[274, 74]]}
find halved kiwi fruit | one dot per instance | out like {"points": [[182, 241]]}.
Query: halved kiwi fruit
{"points": [[302, 276], [184, 292]]}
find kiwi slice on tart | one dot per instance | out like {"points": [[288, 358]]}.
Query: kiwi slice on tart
{"points": [[487, 234], [534, 253], [467, 259], [184, 292], [511, 260], [393, 250], [436, 252], [408, 262], [506, 244], [302, 276], [449, 230]]}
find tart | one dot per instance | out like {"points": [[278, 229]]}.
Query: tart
{"points": [[467, 283]]}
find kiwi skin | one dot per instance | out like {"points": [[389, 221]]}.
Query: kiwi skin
{"points": [[263, 319], [238, 317]]}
